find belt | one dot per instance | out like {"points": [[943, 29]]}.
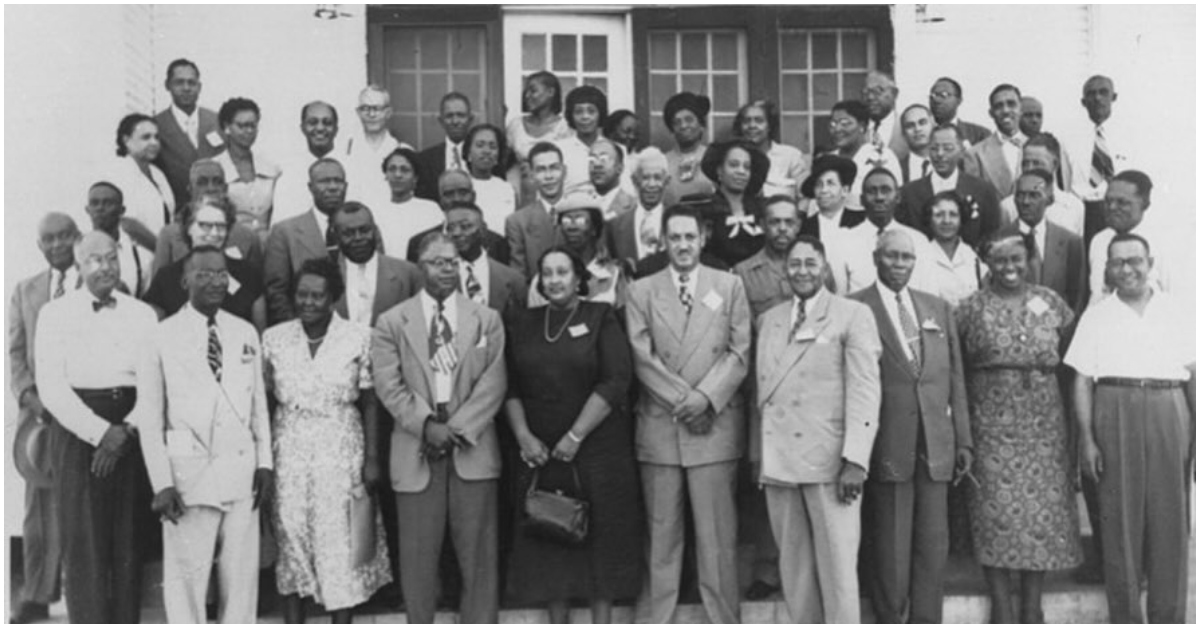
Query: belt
{"points": [[106, 394], [1131, 382], [1017, 367]]}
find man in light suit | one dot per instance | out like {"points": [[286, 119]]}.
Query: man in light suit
{"points": [[439, 370], [186, 131], [924, 437], [997, 159], [42, 546], [817, 366], [689, 328], [374, 282], [635, 235], [303, 237], [1056, 259], [982, 208], [533, 229], [207, 444], [944, 98]]}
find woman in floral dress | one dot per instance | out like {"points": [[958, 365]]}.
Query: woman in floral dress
{"points": [[325, 434]]}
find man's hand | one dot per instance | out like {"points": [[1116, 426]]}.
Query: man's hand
{"points": [[963, 459], [1090, 458], [850, 482], [32, 401], [439, 440], [264, 487], [372, 473], [168, 504], [566, 449], [113, 445], [700, 424], [693, 405]]}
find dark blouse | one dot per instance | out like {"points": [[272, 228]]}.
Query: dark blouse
{"points": [[245, 283], [733, 241]]}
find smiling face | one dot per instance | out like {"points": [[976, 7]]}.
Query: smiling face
{"points": [[319, 126], [733, 174], [559, 281], [687, 128], [945, 221], [208, 227], [755, 126], [356, 235], [374, 110], [1007, 261], [1006, 111], [805, 269], [626, 133], [1123, 206], [604, 164], [548, 173], [917, 126], [685, 238], [538, 96], [56, 239], [829, 191], [465, 228], [846, 131], [944, 149], [313, 302], [98, 263], [206, 281], [1128, 268], [142, 144]]}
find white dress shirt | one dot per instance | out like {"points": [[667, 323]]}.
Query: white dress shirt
{"points": [[916, 167], [789, 168], [364, 165], [650, 221], [1122, 141], [888, 296], [497, 199], [443, 382], [1066, 211], [400, 222], [136, 265], [1039, 235], [189, 123], [1113, 340], [71, 281], [77, 346], [884, 129], [577, 160], [867, 158], [482, 273], [943, 184], [361, 280], [856, 251], [956, 278], [1012, 152], [454, 156]]}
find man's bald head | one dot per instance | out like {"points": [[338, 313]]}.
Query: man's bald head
{"points": [[96, 257], [57, 234], [1031, 116]]}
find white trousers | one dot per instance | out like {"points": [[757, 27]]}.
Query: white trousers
{"points": [[189, 548]]}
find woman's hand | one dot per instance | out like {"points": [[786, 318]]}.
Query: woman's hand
{"points": [[566, 449], [1090, 458], [533, 450], [372, 474]]}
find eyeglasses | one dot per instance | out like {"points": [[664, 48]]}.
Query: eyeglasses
{"points": [[577, 220], [804, 264], [842, 123], [373, 110], [1117, 263], [212, 226], [441, 263], [874, 91], [208, 275]]}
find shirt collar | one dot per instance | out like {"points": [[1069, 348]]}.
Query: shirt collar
{"points": [[888, 293], [1024, 227], [182, 117], [691, 283], [811, 302], [322, 221]]}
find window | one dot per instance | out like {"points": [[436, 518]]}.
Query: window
{"points": [[818, 68], [575, 59], [421, 65], [709, 62]]}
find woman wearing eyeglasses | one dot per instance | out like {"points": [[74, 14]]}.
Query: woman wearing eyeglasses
{"points": [[250, 176]]}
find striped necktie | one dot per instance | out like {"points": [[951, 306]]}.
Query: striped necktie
{"points": [[912, 335], [1102, 163], [472, 284], [443, 357], [214, 348], [800, 316]]}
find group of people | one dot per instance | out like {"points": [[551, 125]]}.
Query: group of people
{"points": [[803, 354]]}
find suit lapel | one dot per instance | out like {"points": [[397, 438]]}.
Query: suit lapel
{"points": [[702, 315], [995, 155], [171, 127], [310, 237], [1054, 258], [793, 351], [387, 286], [416, 330], [468, 329], [667, 302], [39, 291], [887, 329]]}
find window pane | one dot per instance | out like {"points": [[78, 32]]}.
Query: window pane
{"points": [[533, 52], [595, 53], [403, 88], [599, 82], [854, 50], [469, 85], [400, 48], [853, 84], [466, 46], [433, 87], [694, 50], [794, 92], [824, 50], [725, 92], [722, 127], [825, 91], [725, 51], [793, 51], [662, 51], [568, 84], [563, 55], [429, 130], [662, 87], [821, 139], [434, 51], [695, 83], [794, 131], [404, 127]]}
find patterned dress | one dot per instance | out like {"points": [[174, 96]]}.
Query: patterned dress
{"points": [[318, 445], [1023, 513]]}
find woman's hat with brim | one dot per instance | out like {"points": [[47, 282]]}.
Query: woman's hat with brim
{"points": [[31, 452], [695, 103], [760, 164], [845, 168]]}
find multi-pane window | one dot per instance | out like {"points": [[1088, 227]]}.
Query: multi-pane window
{"points": [[710, 62], [818, 68], [421, 65], [575, 59]]}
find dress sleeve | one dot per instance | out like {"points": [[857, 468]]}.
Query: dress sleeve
{"points": [[616, 364], [365, 381], [510, 357]]}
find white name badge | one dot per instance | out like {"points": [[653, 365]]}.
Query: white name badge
{"points": [[234, 285], [712, 301], [1038, 305], [214, 139], [578, 330]]}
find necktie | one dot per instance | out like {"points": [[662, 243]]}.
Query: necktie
{"points": [[912, 336], [331, 242], [456, 151], [798, 311], [925, 167], [108, 301], [1102, 163], [685, 296], [1035, 256], [60, 289], [875, 137], [191, 131], [648, 234], [363, 315], [472, 284], [441, 343], [214, 349]]}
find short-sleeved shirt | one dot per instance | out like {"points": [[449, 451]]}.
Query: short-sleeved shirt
{"points": [[1113, 340]]}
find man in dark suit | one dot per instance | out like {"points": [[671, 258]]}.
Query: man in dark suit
{"points": [[997, 159], [302, 237], [944, 98], [186, 131], [1055, 254], [394, 280], [482, 278], [924, 437], [982, 210], [42, 546], [456, 118], [454, 186], [632, 236], [533, 229], [879, 93]]}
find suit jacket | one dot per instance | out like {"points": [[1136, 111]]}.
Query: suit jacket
{"points": [[675, 352], [27, 300], [985, 160], [404, 383], [506, 287], [432, 163], [932, 401], [620, 237], [395, 282], [530, 232], [177, 154], [971, 132], [850, 218], [290, 244], [818, 394], [496, 245], [1062, 269], [984, 216], [205, 437]]}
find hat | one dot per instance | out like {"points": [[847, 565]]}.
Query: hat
{"points": [[714, 156], [582, 198], [845, 168], [31, 452], [695, 103]]}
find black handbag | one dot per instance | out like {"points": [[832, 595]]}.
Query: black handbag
{"points": [[553, 516]]}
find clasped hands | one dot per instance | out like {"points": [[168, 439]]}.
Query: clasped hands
{"points": [[693, 410], [535, 453], [440, 440]]}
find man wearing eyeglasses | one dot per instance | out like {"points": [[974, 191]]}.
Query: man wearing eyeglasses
{"points": [[944, 98], [606, 170], [879, 93], [438, 361], [366, 146]]}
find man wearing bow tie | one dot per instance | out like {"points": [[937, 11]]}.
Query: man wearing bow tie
{"points": [[818, 390], [689, 328], [207, 441], [997, 159], [95, 376], [924, 439]]}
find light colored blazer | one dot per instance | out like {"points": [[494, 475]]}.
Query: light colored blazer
{"points": [[290, 244], [819, 394], [674, 353], [986, 161], [204, 437], [530, 232], [27, 300], [395, 282], [933, 400], [404, 383]]}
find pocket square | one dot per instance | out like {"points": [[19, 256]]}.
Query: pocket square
{"points": [[248, 353], [482, 344], [806, 335], [930, 325]]}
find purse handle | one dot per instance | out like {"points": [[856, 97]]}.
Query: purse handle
{"points": [[537, 474]]}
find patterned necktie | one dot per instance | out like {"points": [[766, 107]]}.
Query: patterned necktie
{"points": [[912, 335], [1102, 163], [457, 152], [441, 343], [685, 296], [472, 284], [60, 289], [648, 234], [1035, 255], [214, 348], [800, 316]]}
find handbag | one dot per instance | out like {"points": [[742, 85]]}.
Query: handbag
{"points": [[553, 516], [362, 527]]}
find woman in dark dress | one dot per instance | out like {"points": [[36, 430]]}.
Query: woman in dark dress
{"points": [[569, 373], [740, 171], [206, 221]]}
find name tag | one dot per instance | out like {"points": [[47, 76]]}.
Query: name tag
{"points": [[578, 330], [482, 344], [214, 139], [234, 285], [248, 354], [806, 335], [233, 252], [930, 325], [712, 301], [1038, 305]]}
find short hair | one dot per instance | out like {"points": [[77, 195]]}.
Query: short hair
{"points": [[322, 267], [780, 198], [352, 207], [914, 106], [687, 210], [587, 94], [545, 147], [230, 108], [372, 87], [856, 109], [465, 205], [957, 87], [1048, 142], [770, 111], [501, 141], [615, 119], [110, 185], [453, 172], [187, 213], [601, 141], [892, 234], [181, 63], [203, 249], [205, 162], [53, 215], [947, 127], [1003, 87], [431, 239], [125, 129], [884, 75], [323, 161], [650, 155], [448, 96], [1139, 180], [810, 240], [408, 154], [304, 110], [996, 238], [1042, 174], [943, 196], [1128, 237], [881, 170], [577, 265], [547, 79]]}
